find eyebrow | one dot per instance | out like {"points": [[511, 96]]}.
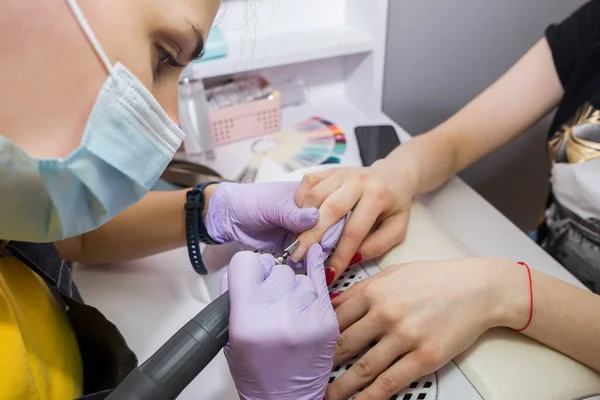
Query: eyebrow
{"points": [[199, 48]]}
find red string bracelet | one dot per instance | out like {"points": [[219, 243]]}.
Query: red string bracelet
{"points": [[530, 298]]}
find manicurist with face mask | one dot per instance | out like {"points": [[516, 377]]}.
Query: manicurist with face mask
{"points": [[85, 133]]}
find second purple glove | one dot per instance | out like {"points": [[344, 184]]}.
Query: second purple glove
{"points": [[282, 329], [261, 216]]}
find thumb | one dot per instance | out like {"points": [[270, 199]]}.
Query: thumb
{"points": [[294, 218], [248, 269], [333, 234], [302, 219], [316, 270]]}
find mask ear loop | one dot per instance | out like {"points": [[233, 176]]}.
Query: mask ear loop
{"points": [[85, 27]]}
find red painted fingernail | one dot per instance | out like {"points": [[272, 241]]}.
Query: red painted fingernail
{"points": [[333, 296], [329, 275], [356, 258]]}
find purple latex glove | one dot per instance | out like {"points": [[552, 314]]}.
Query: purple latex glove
{"points": [[261, 216], [328, 242], [282, 328]]}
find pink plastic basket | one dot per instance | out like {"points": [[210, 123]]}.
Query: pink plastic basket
{"points": [[246, 120]]}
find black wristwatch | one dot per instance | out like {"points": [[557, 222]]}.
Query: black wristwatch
{"points": [[195, 229]]}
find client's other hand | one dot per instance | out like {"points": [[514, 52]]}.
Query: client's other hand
{"points": [[427, 312]]}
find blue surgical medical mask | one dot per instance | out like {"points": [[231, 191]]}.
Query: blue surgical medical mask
{"points": [[127, 144]]}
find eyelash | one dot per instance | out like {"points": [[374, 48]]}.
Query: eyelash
{"points": [[166, 58], [201, 54]]}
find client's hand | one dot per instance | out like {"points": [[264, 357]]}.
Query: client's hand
{"points": [[380, 199], [261, 216], [282, 328], [427, 312]]}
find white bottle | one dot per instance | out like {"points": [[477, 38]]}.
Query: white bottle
{"points": [[194, 120]]}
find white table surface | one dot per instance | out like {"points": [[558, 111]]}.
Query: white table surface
{"points": [[149, 299]]}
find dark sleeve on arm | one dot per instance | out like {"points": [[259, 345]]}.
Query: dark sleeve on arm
{"points": [[573, 38]]}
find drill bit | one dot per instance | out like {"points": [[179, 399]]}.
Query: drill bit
{"points": [[287, 252]]}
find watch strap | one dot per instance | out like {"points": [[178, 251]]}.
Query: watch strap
{"points": [[195, 229]]}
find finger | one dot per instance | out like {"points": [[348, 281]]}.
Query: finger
{"points": [[349, 293], [318, 193], [308, 182], [406, 370], [246, 269], [305, 292], [391, 232], [288, 216], [357, 228], [331, 211], [315, 269], [328, 243], [331, 238], [281, 210], [364, 371], [356, 338], [268, 262], [281, 280], [224, 285], [351, 312]]}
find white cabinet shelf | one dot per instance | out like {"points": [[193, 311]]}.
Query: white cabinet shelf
{"points": [[268, 49]]}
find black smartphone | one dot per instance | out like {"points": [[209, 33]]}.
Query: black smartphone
{"points": [[375, 142]]}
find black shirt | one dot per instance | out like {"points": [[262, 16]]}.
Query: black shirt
{"points": [[572, 224], [575, 45]]}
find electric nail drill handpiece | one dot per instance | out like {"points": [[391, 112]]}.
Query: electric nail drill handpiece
{"points": [[168, 371]]}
